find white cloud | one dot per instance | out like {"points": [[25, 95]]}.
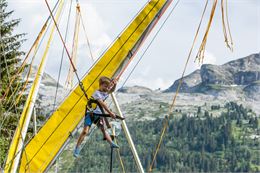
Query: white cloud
{"points": [[145, 72], [152, 83], [34, 14], [209, 58], [96, 29], [104, 20]]}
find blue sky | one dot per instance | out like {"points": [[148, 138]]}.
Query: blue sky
{"points": [[164, 61]]}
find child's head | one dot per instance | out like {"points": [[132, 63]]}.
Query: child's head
{"points": [[104, 83]]}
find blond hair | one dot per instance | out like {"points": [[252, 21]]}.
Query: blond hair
{"points": [[104, 80]]}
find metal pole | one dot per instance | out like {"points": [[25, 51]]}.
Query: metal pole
{"points": [[34, 121], [128, 136], [20, 134], [111, 160], [57, 166], [113, 135]]}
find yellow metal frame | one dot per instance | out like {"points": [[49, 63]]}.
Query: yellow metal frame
{"points": [[21, 130], [43, 148]]}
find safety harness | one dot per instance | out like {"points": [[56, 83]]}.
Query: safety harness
{"points": [[92, 104]]}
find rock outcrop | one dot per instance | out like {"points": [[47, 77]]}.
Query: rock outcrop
{"points": [[212, 79]]}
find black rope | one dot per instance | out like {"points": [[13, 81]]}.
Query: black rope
{"points": [[108, 116], [61, 61]]}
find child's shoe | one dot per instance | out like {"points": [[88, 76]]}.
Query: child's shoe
{"points": [[76, 152], [114, 145]]}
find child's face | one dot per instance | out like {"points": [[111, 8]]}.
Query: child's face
{"points": [[104, 87]]}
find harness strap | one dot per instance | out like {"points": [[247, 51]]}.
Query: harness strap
{"points": [[90, 109], [108, 116]]}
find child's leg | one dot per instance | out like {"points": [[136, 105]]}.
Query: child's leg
{"points": [[82, 135], [106, 135], [108, 138]]}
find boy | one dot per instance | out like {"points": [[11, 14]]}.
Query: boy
{"points": [[106, 86]]}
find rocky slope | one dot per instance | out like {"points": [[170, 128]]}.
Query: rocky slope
{"points": [[237, 80], [45, 99], [240, 76], [189, 82]]}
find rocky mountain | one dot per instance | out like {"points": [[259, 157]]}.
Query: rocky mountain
{"points": [[238, 80], [241, 75], [189, 83], [47, 91]]}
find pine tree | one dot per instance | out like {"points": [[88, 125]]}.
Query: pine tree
{"points": [[9, 60], [10, 45]]}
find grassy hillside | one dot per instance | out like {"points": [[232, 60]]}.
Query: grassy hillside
{"points": [[202, 142]]}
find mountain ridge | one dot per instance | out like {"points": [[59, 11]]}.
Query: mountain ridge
{"points": [[242, 74]]}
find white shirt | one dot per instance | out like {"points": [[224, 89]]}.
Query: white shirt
{"points": [[99, 95]]}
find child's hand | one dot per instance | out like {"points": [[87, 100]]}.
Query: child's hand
{"points": [[114, 81], [112, 85], [112, 115]]}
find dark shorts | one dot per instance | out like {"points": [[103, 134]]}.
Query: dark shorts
{"points": [[95, 119]]}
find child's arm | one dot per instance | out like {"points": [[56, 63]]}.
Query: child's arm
{"points": [[112, 89], [103, 104]]}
